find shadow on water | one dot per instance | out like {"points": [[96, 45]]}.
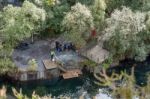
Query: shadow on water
{"points": [[141, 69]]}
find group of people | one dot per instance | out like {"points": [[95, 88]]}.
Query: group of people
{"points": [[66, 46], [59, 48]]}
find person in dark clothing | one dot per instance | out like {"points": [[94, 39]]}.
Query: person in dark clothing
{"points": [[56, 45], [60, 47], [73, 48], [65, 47], [69, 46]]}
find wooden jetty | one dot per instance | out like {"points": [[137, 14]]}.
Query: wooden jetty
{"points": [[72, 74]]}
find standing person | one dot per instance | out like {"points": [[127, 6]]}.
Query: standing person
{"points": [[57, 45], [69, 46], [60, 47], [73, 47], [52, 54], [65, 47]]}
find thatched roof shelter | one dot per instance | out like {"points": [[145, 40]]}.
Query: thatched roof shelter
{"points": [[96, 54]]}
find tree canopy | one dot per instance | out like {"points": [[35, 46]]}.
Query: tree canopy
{"points": [[77, 22], [98, 13], [16, 24], [20, 22], [126, 35]]}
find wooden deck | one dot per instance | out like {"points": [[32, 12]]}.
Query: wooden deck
{"points": [[72, 74], [48, 64]]}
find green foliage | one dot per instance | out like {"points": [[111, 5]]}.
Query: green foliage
{"points": [[106, 64], [124, 90], [41, 91], [126, 35], [76, 39], [6, 65], [32, 65], [17, 23], [88, 63], [55, 15], [21, 22], [78, 22], [85, 2], [50, 2], [58, 13], [146, 5], [127, 88], [148, 21], [19, 95], [98, 12], [6, 50], [133, 4], [79, 19]]}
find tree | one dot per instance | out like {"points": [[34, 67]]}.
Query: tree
{"points": [[16, 24], [123, 85], [77, 23], [146, 5], [98, 12], [142, 5], [58, 13], [126, 35], [21, 22], [148, 21], [6, 65]]}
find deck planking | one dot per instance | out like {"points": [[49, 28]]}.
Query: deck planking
{"points": [[72, 74]]}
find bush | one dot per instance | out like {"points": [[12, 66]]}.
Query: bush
{"points": [[88, 63], [32, 65], [41, 91], [6, 65]]}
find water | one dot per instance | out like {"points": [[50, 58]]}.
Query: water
{"points": [[141, 70], [77, 86], [72, 87]]}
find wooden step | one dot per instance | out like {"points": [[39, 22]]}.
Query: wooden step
{"points": [[62, 69]]}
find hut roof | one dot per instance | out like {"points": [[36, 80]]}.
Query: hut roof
{"points": [[96, 53], [48, 64]]}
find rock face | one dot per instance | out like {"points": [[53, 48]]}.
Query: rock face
{"points": [[96, 53]]}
